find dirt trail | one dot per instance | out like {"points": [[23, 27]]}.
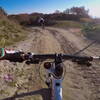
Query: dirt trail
{"points": [[81, 82]]}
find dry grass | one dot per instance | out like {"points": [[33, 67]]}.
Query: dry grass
{"points": [[68, 24], [10, 32]]}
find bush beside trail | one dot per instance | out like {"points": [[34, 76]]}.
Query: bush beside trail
{"points": [[10, 32], [68, 24], [92, 31]]}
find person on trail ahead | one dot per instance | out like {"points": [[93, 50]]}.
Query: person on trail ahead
{"points": [[41, 22]]}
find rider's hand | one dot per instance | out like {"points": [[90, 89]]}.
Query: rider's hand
{"points": [[11, 55]]}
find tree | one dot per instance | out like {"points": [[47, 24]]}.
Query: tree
{"points": [[67, 11], [57, 12], [80, 11], [2, 12]]}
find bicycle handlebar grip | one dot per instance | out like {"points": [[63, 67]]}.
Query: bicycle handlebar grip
{"points": [[11, 55]]}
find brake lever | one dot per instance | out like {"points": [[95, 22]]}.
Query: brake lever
{"points": [[82, 62]]}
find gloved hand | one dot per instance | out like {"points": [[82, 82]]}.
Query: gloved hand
{"points": [[11, 55]]}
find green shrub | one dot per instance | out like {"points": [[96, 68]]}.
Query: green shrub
{"points": [[92, 31], [68, 24]]}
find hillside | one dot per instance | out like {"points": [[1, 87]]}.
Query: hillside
{"points": [[10, 31], [90, 27]]}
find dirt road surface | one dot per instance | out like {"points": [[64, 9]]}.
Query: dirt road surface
{"points": [[80, 83]]}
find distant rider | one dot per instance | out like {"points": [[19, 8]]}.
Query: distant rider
{"points": [[41, 22]]}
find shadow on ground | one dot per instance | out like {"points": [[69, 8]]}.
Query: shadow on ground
{"points": [[45, 93]]}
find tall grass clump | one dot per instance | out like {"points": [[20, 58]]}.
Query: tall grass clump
{"points": [[92, 31]]}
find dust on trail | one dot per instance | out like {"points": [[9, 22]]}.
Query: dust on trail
{"points": [[80, 83]]}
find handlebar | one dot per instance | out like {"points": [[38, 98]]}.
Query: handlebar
{"points": [[20, 56], [63, 56]]}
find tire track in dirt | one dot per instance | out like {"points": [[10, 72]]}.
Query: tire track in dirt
{"points": [[66, 46], [57, 40], [91, 74], [73, 79]]}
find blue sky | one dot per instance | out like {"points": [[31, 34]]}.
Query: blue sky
{"points": [[48, 6]]}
